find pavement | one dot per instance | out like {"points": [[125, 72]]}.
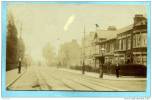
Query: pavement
{"points": [[52, 78], [105, 76], [13, 75], [27, 81]]}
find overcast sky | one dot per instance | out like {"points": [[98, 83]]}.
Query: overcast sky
{"points": [[56, 23]]}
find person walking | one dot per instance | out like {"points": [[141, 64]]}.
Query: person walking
{"points": [[101, 70], [19, 66], [117, 70], [83, 68]]}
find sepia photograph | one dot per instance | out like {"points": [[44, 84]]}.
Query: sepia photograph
{"points": [[76, 47]]}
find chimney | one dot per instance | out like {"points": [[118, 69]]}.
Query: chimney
{"points": [[111, 28], [138, 18]]}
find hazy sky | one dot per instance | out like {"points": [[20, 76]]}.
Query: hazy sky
{"points": [[56, 23]]}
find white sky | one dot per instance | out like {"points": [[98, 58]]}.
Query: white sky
{"points": [[55, 23]]}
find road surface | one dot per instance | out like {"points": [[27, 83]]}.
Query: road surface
{"points": [[52, 78]]}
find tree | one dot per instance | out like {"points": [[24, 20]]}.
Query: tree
{"points": [[69, 54], [14, 46], [20, 48], [11, 47], [27, 60], [48, 54]]}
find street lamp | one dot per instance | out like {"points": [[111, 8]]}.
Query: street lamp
{"points": [[101, 62]]}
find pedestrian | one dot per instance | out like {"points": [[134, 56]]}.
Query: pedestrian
{"points": [[100, 70], [117, 70], [19, 66], [83, 68]]}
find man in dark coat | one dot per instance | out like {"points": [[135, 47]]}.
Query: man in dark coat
{"points": [[117, 70], [19, 66]]}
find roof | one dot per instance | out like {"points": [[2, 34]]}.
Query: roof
{"points": [[124, 29], [108, 34]]}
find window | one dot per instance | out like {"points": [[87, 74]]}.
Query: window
{"points": [[117, 45], [129, 43], [145, 39], [121, 44], [144, 60], [139, 40], [134, 41], [124, 44]]}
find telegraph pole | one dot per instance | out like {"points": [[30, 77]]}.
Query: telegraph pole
{"points": [[83, 66]]}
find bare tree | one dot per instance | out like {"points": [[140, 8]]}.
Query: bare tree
{"points": [[69, 54], [49, 54]]}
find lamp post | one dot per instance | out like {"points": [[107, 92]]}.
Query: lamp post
{"points": [[101, 62]]}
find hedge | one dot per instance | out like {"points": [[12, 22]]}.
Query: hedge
{"points": [[125, 69]]}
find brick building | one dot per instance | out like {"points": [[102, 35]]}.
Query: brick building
{"points": [[126, 45]]}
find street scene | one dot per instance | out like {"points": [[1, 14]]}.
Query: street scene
{"points": [[71, 47]]}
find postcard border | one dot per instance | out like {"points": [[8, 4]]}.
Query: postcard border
{"points": [[6, 93]]}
